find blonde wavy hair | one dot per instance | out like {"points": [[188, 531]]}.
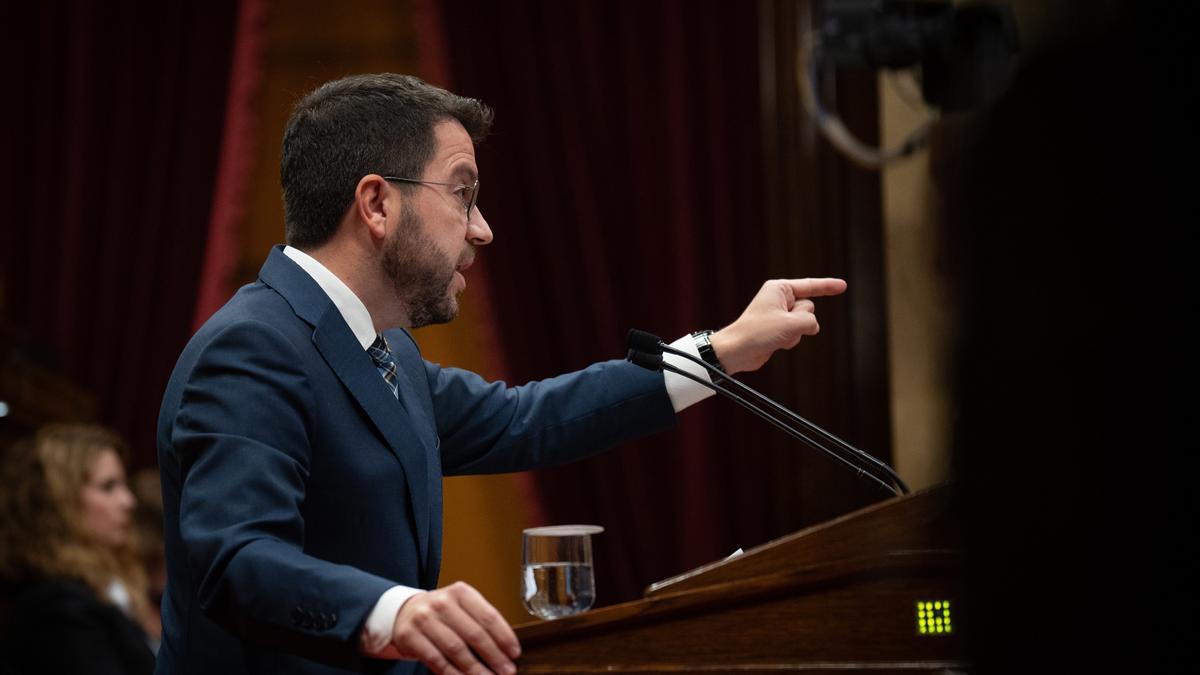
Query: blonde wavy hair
{"points": [[41, 532]]}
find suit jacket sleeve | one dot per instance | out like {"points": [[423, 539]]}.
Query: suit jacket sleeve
{"points": [[491, 427], [241, 438]]}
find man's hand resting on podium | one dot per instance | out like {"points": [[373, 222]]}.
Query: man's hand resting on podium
{"points": [[441, 629], [778, 316]]}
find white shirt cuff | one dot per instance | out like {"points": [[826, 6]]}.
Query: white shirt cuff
{"points": [[376, 634], [682, 391]]}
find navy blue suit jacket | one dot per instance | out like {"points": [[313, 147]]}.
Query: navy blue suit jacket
{"points": [[297, 489]]}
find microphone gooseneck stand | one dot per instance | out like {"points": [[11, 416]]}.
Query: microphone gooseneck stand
{"points": [[646, 351]]}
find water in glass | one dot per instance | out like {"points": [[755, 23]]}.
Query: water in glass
{"points": [[557, 578]]}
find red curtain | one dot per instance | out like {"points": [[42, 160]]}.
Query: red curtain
{"points": [[235, 162], [625, 186], [114, 119]]}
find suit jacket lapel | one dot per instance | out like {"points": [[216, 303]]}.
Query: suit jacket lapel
{"points": [[414, 390], [397, 421]]}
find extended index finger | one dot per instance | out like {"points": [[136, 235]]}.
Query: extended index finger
{"points": [[812, 288]]}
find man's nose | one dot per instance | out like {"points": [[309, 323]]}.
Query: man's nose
{"points": [[478, 232]]}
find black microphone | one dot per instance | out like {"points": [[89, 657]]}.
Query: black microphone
{"points": [[717, 374], [641, 341], [646, 342], [655, 362], [646, 360]]}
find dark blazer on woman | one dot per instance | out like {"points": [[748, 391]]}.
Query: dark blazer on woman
{"points": [[59, 625]]}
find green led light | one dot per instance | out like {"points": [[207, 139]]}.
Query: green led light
{"points": [[933, 617]]}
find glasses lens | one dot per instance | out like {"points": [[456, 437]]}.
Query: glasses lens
{"points": [[472, 195]]}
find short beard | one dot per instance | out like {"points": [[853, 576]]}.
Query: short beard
{"points": [[420, 273]]}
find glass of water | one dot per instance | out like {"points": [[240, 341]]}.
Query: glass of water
{"points": [[557, 577]]}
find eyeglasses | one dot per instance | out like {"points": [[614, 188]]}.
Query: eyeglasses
{"points": [[467, 194]]}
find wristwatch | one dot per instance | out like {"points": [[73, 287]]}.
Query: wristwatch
{"points": [[704, 346]]}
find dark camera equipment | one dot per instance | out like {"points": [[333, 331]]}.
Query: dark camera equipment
{"points": [[963, 55]]}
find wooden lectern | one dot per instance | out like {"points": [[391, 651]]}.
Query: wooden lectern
{"points": [[873, 590]]}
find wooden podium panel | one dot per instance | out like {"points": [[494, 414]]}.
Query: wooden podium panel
{"points": [[840, 595]]}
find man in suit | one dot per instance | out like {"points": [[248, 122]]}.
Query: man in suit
{"points": [[302, 438]]}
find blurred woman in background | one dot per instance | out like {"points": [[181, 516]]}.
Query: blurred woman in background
{"points": [[76, 591]]}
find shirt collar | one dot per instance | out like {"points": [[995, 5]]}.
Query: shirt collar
{"points": [[352, 309]]}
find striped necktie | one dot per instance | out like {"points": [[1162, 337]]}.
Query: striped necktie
{"points": [[381, 354]]}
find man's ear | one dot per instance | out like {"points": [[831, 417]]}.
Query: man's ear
{"points": [[373, 203]]}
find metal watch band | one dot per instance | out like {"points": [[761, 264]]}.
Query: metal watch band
{"points": [[704, 346]]}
